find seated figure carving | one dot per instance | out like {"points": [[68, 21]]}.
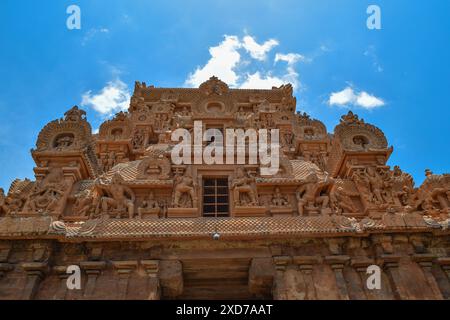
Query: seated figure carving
{"points": [[149, 205], [47, 194], [279, 200]]}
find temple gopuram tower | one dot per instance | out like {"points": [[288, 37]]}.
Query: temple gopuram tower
{"points": [[139, 226]]}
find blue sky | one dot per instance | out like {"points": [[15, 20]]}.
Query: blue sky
{"points": [[396, 78]]}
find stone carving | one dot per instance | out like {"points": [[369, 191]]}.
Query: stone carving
{"points": [[183, 118], [63, 141], [185, 195], [108, 161], [213, 86], [244, 189], [154, 166], [355, 134], [75, 114], [376, 187], [85, 205], [434, 193], [149, 206], [312, 195], [117, 198], [138, 139], [73, 132], [47, 195], [243, 118], [279, 200], [341, 201]]}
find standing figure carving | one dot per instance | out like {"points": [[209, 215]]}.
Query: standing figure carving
{"points": [[184, 191], [244, 189], [117, 197]]}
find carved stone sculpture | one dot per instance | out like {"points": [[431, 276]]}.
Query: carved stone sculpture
{"points": [[184, 191], [47, 195], [279, 200], [149, 206], [244, 190], [117, 197]]}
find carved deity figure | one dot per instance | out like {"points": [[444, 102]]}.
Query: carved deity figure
{"points": [[64, 142], [84, 204], [75, 114], [150, 203], [138, 139], [267, 121], [243, 118], [278, 200], [116, 197], [288, 138], [15, 202], [183, 118], [311, 194], [341, 201], [111, 160], [47, 194], [370, 180], [308, 133], [162, 121], [184, 191], [360, 142], [244, 189]]}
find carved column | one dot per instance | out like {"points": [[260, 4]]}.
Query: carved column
{"points": [[390, 264], [152, 269], [279, 290], [306, 266], [124, 270], [361, 264], [337, 263], [92, 269], [62, 275], [426, 262], [36, 271]]}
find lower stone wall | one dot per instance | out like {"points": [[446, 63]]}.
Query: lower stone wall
{"points": [[413, 266]]}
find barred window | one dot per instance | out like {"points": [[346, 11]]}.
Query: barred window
{"points": [[215, 197]]}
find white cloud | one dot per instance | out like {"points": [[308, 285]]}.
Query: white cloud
{"points": [[241, 64], [290, 58], [114, 97], [258, 51], [255, 80], [224, 58], [368, 101], [348, 97], [343, 97]]}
